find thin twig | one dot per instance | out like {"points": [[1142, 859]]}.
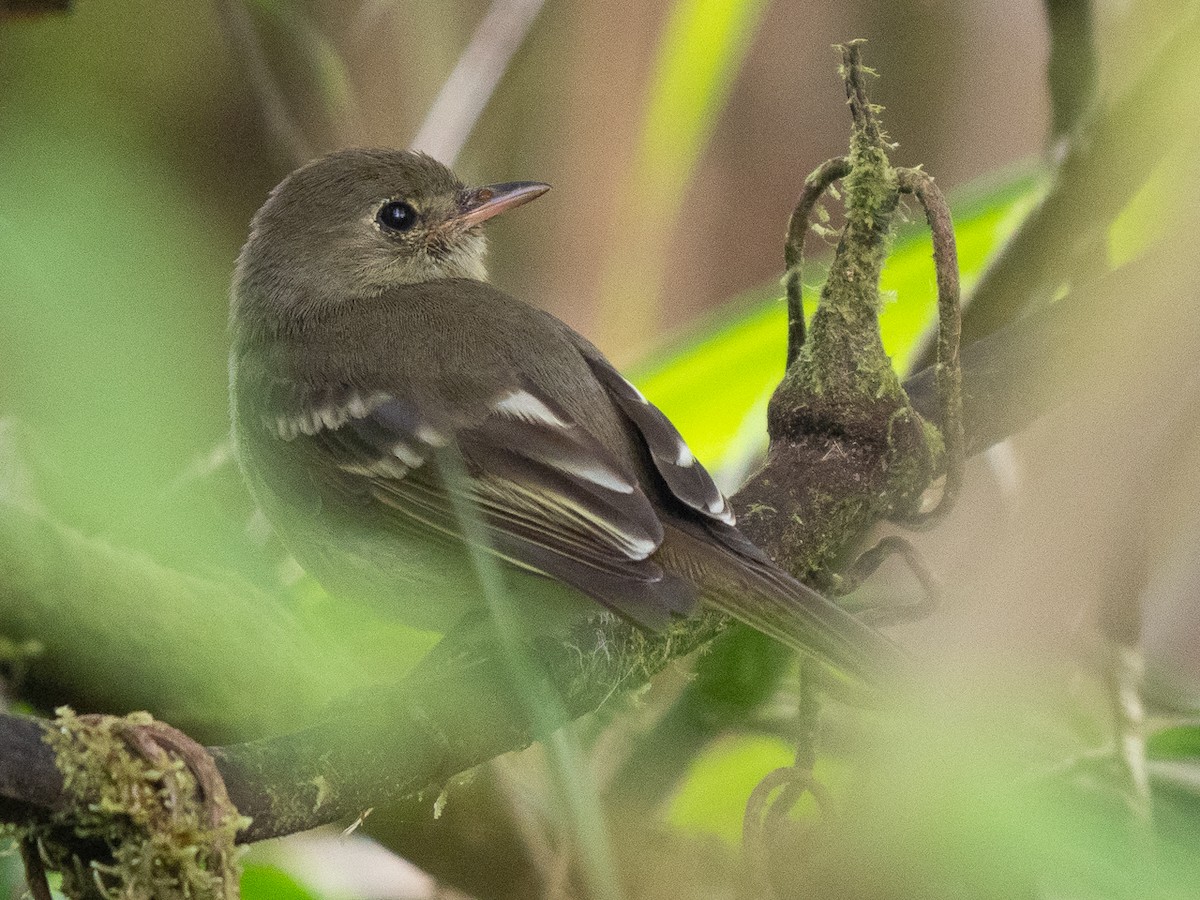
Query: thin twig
{"points": [[890, 614], [773, 798], [243, 40], [470, 86], [862, 112], [815, 185], [948, 368]]}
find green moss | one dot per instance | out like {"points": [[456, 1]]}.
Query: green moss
{"points": [[161, 839], [935, 442], [812, 556], [758, 509], [842, 388]]}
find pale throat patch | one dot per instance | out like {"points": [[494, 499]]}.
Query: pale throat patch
{"points": [[465, 260]]}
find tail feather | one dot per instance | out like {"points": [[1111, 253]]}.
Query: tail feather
{"points": [[796, 615], [756, 592]]}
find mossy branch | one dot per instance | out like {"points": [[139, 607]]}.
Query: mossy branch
{"points": [[841, 408]]}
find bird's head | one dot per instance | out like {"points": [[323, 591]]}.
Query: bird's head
{"points": [[358, 222]]}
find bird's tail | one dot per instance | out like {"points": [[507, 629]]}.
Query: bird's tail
{"points": [[761, 595]]}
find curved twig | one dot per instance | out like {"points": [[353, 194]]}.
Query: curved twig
{"points": [[816, 184], [948, 368], [888, 614]]}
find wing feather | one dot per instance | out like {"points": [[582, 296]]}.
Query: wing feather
{"points": [[686, 478], [553, 499]]}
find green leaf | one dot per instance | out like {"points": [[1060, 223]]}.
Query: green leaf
{"points": [[713, 798], [1178, 742], [702, 47], [260, 882], [1153, 209]]}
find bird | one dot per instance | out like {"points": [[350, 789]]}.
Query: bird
{"points": [[380, 384]]}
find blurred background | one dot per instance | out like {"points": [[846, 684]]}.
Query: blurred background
{"points": [[138, 138]]}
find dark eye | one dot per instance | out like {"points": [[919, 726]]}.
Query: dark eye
{"points": [[397, 215]]}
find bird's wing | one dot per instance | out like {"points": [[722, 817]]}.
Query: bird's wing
{"points": [[761, 595], [699, 500], [687, 480], [551, 497]]}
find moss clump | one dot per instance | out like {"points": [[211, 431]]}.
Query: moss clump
{"points": [[847, 446], [842, 381], [139, 826], [841, 520]]}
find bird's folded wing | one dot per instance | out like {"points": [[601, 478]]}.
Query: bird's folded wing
{"points": [[686, 478], [700, 501], [551, 497]]}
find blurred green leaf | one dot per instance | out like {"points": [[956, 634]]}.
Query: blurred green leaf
{"points": [[713, 799], [93, 359], [11, 876], [260, 882], [1178, 742], [715, 382], [1153, 209]]}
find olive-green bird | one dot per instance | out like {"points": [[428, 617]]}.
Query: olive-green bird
{"points": [[376, 373]]}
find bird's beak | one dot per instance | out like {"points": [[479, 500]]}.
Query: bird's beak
{"points": [[481, 204]]}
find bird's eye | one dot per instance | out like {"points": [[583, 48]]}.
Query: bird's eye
{"points": [[397, 215]]}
